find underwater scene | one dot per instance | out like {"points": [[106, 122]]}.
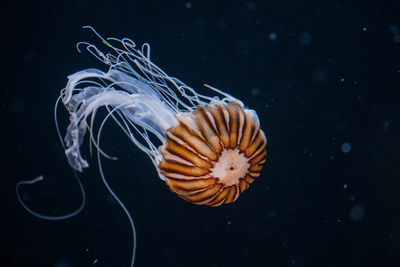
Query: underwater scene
{"points": [[200, 133]]}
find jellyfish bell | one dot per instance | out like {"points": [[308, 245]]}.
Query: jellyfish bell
{"points": [[214, 153]]}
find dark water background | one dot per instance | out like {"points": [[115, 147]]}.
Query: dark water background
{"points": [[324, 79]]}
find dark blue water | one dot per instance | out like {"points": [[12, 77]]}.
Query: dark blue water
{"points": [[324, 78]]}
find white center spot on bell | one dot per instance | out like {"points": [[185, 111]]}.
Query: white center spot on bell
{"points": [[231, 166]]}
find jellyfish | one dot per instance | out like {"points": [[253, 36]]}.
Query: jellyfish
{"points": [[207, 149]]}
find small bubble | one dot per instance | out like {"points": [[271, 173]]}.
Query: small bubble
{"points": [[305, 38], [110, 199], [272, 36], [95, 261], [30, 56], [249, 5], [346, 147], [345, 186], [271, 213], [229, 223], [319, 75], [16, 105], [255, 91], [357, 212], [393, 29], [188, 5], [385, 125], [396, 38], [339, 220], [364, 29], [62, 263]]}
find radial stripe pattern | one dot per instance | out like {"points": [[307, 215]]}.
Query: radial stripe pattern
{"points": [[214, 153]]}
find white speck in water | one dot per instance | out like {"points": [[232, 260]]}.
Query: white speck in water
{"points": [[229, 223], [346, 147], [345, 186], [188, 5], [95, 261], [272, 36], [364, 29]]}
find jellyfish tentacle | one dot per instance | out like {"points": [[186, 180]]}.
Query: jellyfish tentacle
{"points": [[49, 217], [131, 222]]}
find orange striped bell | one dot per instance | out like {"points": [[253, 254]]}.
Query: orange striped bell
{"points": [[214, 153]]}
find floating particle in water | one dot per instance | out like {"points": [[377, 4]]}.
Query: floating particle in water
{"points": [[229, 223], [110, 198], [271, 213], [346, 147], [272, 36], [62, 263], [249, 5], [16, 105], [255, 91], [242, 48], [364, 29], [30, 56], [305, 38], [95, 261], [393, 29], [345, 186], [188, 5], [385, 125], [357, 212], [319, 75]]}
